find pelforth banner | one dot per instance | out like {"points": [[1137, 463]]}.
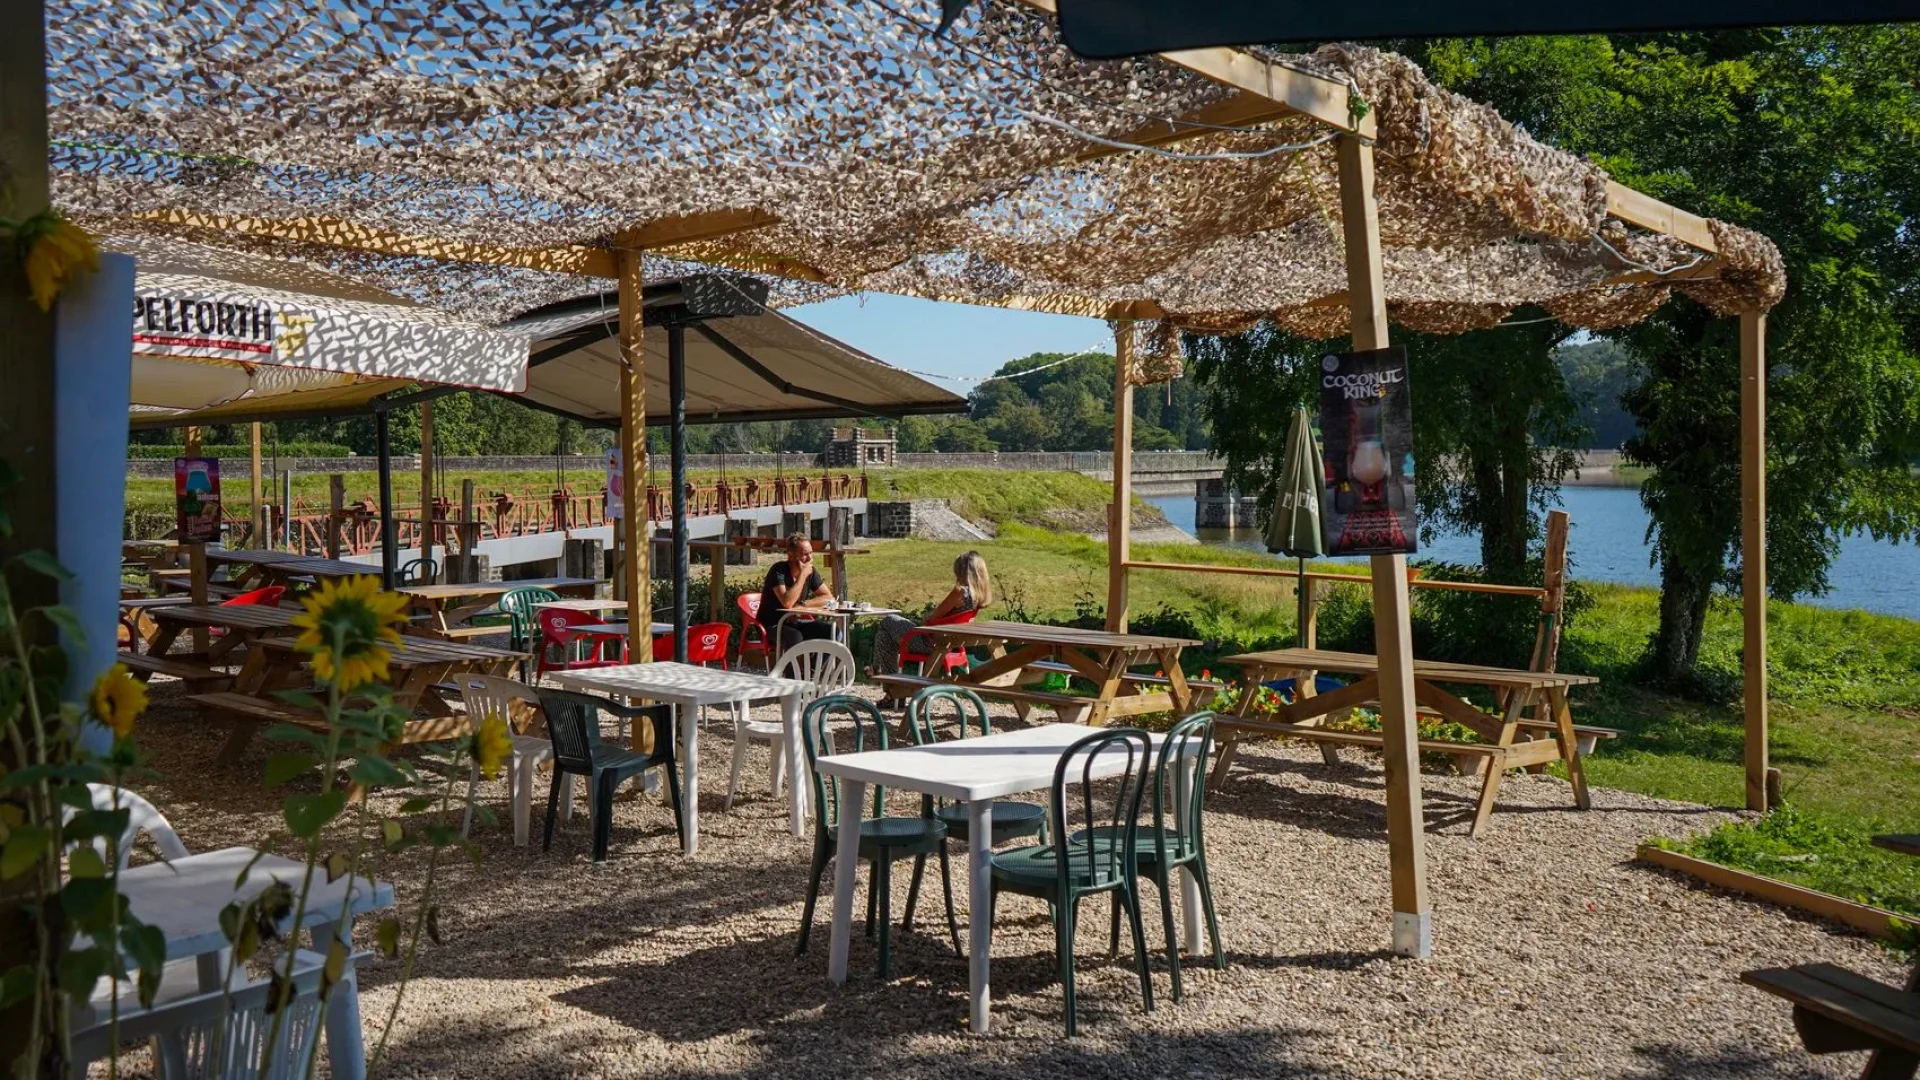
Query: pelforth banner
{"points": [[1366, 422]]}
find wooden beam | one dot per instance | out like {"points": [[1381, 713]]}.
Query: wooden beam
{"points": [[633, 451], [692, 228], [259, 511], [1120, 512], [1753, 547], [334, 232], [1636, 208], [1392, 628], [1240, 110], [1301, 92]]}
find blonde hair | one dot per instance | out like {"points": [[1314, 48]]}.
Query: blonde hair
{"points": [[971, 570]]}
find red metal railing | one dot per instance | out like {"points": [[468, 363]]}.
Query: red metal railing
{"points": [[525, 513]]}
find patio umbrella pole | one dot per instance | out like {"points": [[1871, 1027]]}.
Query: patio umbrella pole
{"points": [[389, 550], [677, 429], [1300, 595]]}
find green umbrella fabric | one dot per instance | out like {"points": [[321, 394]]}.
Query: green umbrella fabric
{"points": [[1294, 526]]}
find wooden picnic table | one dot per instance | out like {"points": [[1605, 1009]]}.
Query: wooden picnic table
{"points": [[1099, 656], [241, 625], [1531, 702], [451, 605]]}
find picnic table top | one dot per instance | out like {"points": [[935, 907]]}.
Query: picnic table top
{"points": [[584, 605], [987, 767], [424, 650], [237, 616], [1434, 670], [141, 603], [492, 588], [254, 556], [318, 566], [1040, 634]]}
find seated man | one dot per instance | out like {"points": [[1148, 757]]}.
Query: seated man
{"points": [[791, 584]]}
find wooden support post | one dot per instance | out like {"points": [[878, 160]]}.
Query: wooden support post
{"points": [[1753, 546], [426, 487], [196, 557], [633, 446], [1393, 633], [1120, 513], [260, 515], [1546, 639], [717, 585], [336, 512]]}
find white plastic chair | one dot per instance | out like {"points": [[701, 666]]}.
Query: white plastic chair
{"points": [[484, 694], [220, 1035], [828, 666]]}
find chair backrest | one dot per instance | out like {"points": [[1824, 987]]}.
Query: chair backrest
{"points": [[965, 706], [554, 624], [826, 664], [1083, 799], [419, 571], [266, 595], [573, 726], [221, 1034], [142, 817], [707, 642], [515, 701], [1181, 774], [749, 604], [860, 726], [954, 618]]}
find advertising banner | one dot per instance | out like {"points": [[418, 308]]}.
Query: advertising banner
{"points": [[1366, 421], [196, 497], [616, 508]]}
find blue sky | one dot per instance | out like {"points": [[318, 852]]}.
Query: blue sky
{"points": [[949, 339]]}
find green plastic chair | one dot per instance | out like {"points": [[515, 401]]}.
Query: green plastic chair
{"points": [[1163, 849], [1011, 820], [517, 606], [883, 840], [1100, 860]]}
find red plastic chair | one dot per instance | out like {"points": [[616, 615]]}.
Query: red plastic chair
{"points": [[267, 596], [753, 636], [916, 646], [564, 649], [706, 644]]}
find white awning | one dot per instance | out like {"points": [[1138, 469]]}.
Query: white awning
{"points": [[220, 337]]}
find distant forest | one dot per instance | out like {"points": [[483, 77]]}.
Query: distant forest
{"points": [[1065, 406]]}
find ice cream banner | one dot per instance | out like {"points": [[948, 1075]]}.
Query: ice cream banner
{"points": [[196, 496], [1366, 423]]}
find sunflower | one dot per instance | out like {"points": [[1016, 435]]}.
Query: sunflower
{"points": [[350, 627], [53, 252], [119, 699], [491, 744]]}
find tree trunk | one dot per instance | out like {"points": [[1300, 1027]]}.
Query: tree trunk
{"points": [[1683, 616]]}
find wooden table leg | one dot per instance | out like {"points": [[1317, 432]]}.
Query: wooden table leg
{"points": [[163, 638], [1569, 746], [1496, 767], [1177, 687], [1109, 688]]}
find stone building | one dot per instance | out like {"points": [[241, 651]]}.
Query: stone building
{"points": [[861, 448]]}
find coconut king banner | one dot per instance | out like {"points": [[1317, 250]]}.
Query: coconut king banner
{"points": [[1366, 420]]}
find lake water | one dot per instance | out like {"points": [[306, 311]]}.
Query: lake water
{"points": [[1609, 543]]}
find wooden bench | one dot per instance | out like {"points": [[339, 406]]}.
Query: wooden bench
{"points": [[246, 712], [1198, 686], [145, 666], [460, 633], [903, 686], [1836, 1010], [1586, 735], [1369, 740]]}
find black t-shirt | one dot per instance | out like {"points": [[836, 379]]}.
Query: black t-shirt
{"points": [[781, 577]]}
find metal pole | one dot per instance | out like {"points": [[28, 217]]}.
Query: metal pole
{"points": [[677, 419], [389, 547]]}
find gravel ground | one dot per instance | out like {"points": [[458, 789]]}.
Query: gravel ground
{"points": [[1553, 955]]}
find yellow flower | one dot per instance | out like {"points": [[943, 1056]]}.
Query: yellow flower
{"points": [[350, 627], [53, 252], [491, 744], [119, 699]]}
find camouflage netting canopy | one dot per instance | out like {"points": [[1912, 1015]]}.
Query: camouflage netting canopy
{"points": [[863, 153]]}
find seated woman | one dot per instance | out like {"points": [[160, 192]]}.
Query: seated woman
{"points": [[971, 591]]}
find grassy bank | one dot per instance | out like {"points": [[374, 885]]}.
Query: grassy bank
{"points": [[1846, 693]]}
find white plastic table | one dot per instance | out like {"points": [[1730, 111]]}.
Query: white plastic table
{"points": [[976, 772], [842, 616], [687, 687], [183, 899]]}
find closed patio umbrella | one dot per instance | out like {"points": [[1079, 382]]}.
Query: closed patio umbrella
{"points": [[1294, 526]]}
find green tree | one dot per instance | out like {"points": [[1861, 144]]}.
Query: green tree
{"points": [[1810, 135], [915, 434], [1020, 425], [1491, 419], [963, 436]]}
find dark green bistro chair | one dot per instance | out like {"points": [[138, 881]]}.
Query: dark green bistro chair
{"points": [[516, 608], [883, 840], [1099, 860], [1166, 846], [573, 725], [1011, 820]]}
